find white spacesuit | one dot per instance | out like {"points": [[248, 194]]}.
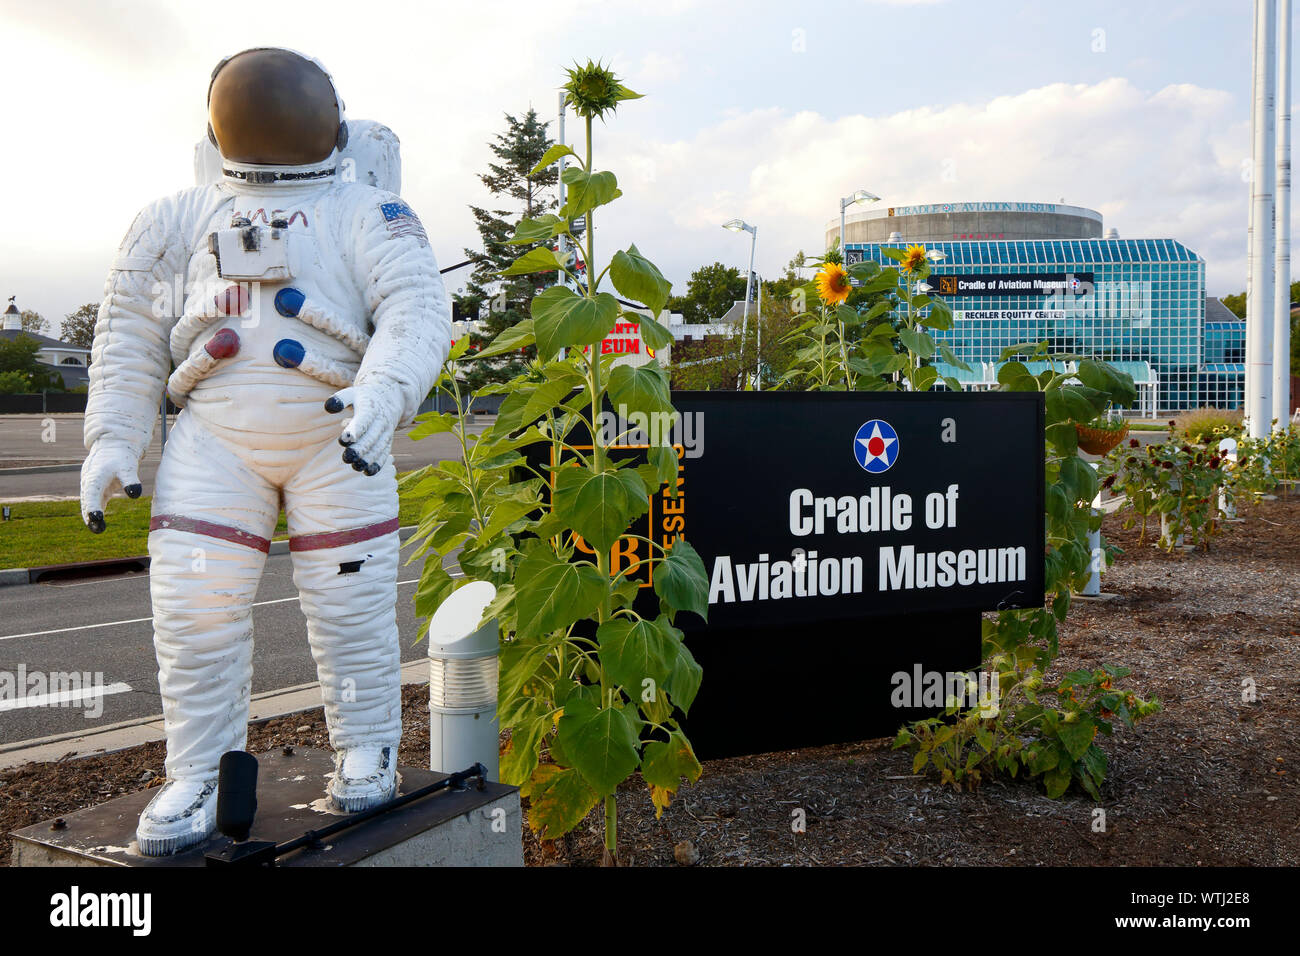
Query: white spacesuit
{"points": [[304, 294]]}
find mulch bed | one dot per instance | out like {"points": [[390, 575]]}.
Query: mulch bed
{"points": [[1208, 781]]}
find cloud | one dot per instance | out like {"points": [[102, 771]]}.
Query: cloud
{"points": [[1164, 164], [114, 121]]}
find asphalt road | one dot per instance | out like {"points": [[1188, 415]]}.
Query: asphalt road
{"points": [[102, 627], [40, 440]]}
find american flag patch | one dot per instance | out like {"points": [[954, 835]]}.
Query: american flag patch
{"points": [[402, 220]]}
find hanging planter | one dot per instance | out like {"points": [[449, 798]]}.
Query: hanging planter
{"points": [[1098, 441]]}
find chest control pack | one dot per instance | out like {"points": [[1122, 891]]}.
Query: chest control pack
{"points": [[248, 252]]}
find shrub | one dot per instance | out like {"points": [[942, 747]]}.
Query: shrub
{"points": [[1204, 425]]}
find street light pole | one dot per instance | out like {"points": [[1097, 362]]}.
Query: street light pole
{"points": [[758, 345], [859, 198], [563, 279], [739, 225]]}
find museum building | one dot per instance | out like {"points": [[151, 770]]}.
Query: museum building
{"points": [[1026, 272]]}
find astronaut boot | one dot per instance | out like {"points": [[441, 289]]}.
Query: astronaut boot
{"points": [[364, 777], [182, 815]]}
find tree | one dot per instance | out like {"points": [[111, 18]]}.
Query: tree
{"points": [[14, 383], [711, 291], [35, 323], [507, 301], [714, 362], [18, 357], [79, 326]]}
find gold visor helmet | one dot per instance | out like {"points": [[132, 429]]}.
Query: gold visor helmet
{"points": [[274, 107]]}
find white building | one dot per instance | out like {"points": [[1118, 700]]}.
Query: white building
{"points": [[70, 361]]}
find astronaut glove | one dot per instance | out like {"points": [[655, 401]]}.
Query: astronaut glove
{"points": [[109, 463], [367, 437]]}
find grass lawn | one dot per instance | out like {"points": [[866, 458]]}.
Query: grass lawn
{"points": [[52, 532]]}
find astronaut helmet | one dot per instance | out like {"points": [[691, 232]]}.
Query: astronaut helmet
{"points": [[269, 106]]}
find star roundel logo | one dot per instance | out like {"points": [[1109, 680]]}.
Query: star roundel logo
{"points": [[875, 446]]}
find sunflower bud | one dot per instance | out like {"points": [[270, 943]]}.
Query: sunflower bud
{"points": [[593, 90]]}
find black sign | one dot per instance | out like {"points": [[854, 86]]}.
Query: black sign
{"points": [[1013, 283], [814, 506], [851, 541]]}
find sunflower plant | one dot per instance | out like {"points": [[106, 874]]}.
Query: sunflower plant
{"points": [[590, 688], [882, 345], [1048, 736]]}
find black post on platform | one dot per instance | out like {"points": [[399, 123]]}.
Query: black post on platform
{"points": [[263, 853]]}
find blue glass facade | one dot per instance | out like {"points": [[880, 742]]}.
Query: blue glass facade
{"points": [[1146, 303]]}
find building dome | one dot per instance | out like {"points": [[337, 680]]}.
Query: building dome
{"points": [[967, 221]]}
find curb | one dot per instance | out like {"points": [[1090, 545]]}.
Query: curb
{"points": [[142, 730], [38, 469], [12, 576]]}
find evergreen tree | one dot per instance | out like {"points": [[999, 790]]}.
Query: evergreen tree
{"points": [[504, 302]]}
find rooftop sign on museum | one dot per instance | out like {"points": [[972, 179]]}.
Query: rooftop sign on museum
{"points": [[1014, 283]]}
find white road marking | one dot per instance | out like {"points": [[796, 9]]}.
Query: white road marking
{"points": [[64, 697], [141, 620]]}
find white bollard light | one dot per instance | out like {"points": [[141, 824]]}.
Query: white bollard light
{"points": [[1093, 587], [463, 683], [1228, 452]]}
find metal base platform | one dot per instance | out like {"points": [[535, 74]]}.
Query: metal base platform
{"points": [[450, 828]]}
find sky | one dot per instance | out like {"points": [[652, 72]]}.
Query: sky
{"points": [[764, 111]]}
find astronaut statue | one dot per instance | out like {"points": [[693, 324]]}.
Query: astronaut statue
{"points": [[307, 291]]}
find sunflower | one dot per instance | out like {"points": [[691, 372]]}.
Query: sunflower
{"points": [[833, 283], [594, 90], [913, 258]]}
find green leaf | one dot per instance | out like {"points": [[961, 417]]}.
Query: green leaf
{"points": [[599, 506], [553, 593], [917, 342], [681, 580], [432, 423], [562, 318], [586, 191], [559, 798], [534, 260], [1012, 372], [949, 356], [665, 763], [545, 397], [652, 332], [684, 681], [643, 388], [506, 511], [1077, 737], [518, 336], [631, 651], [636, 277], [600, 742], [1057, 781], [924, 378], [550, 156], [939, 317], [537, 230], [520, 757]]}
